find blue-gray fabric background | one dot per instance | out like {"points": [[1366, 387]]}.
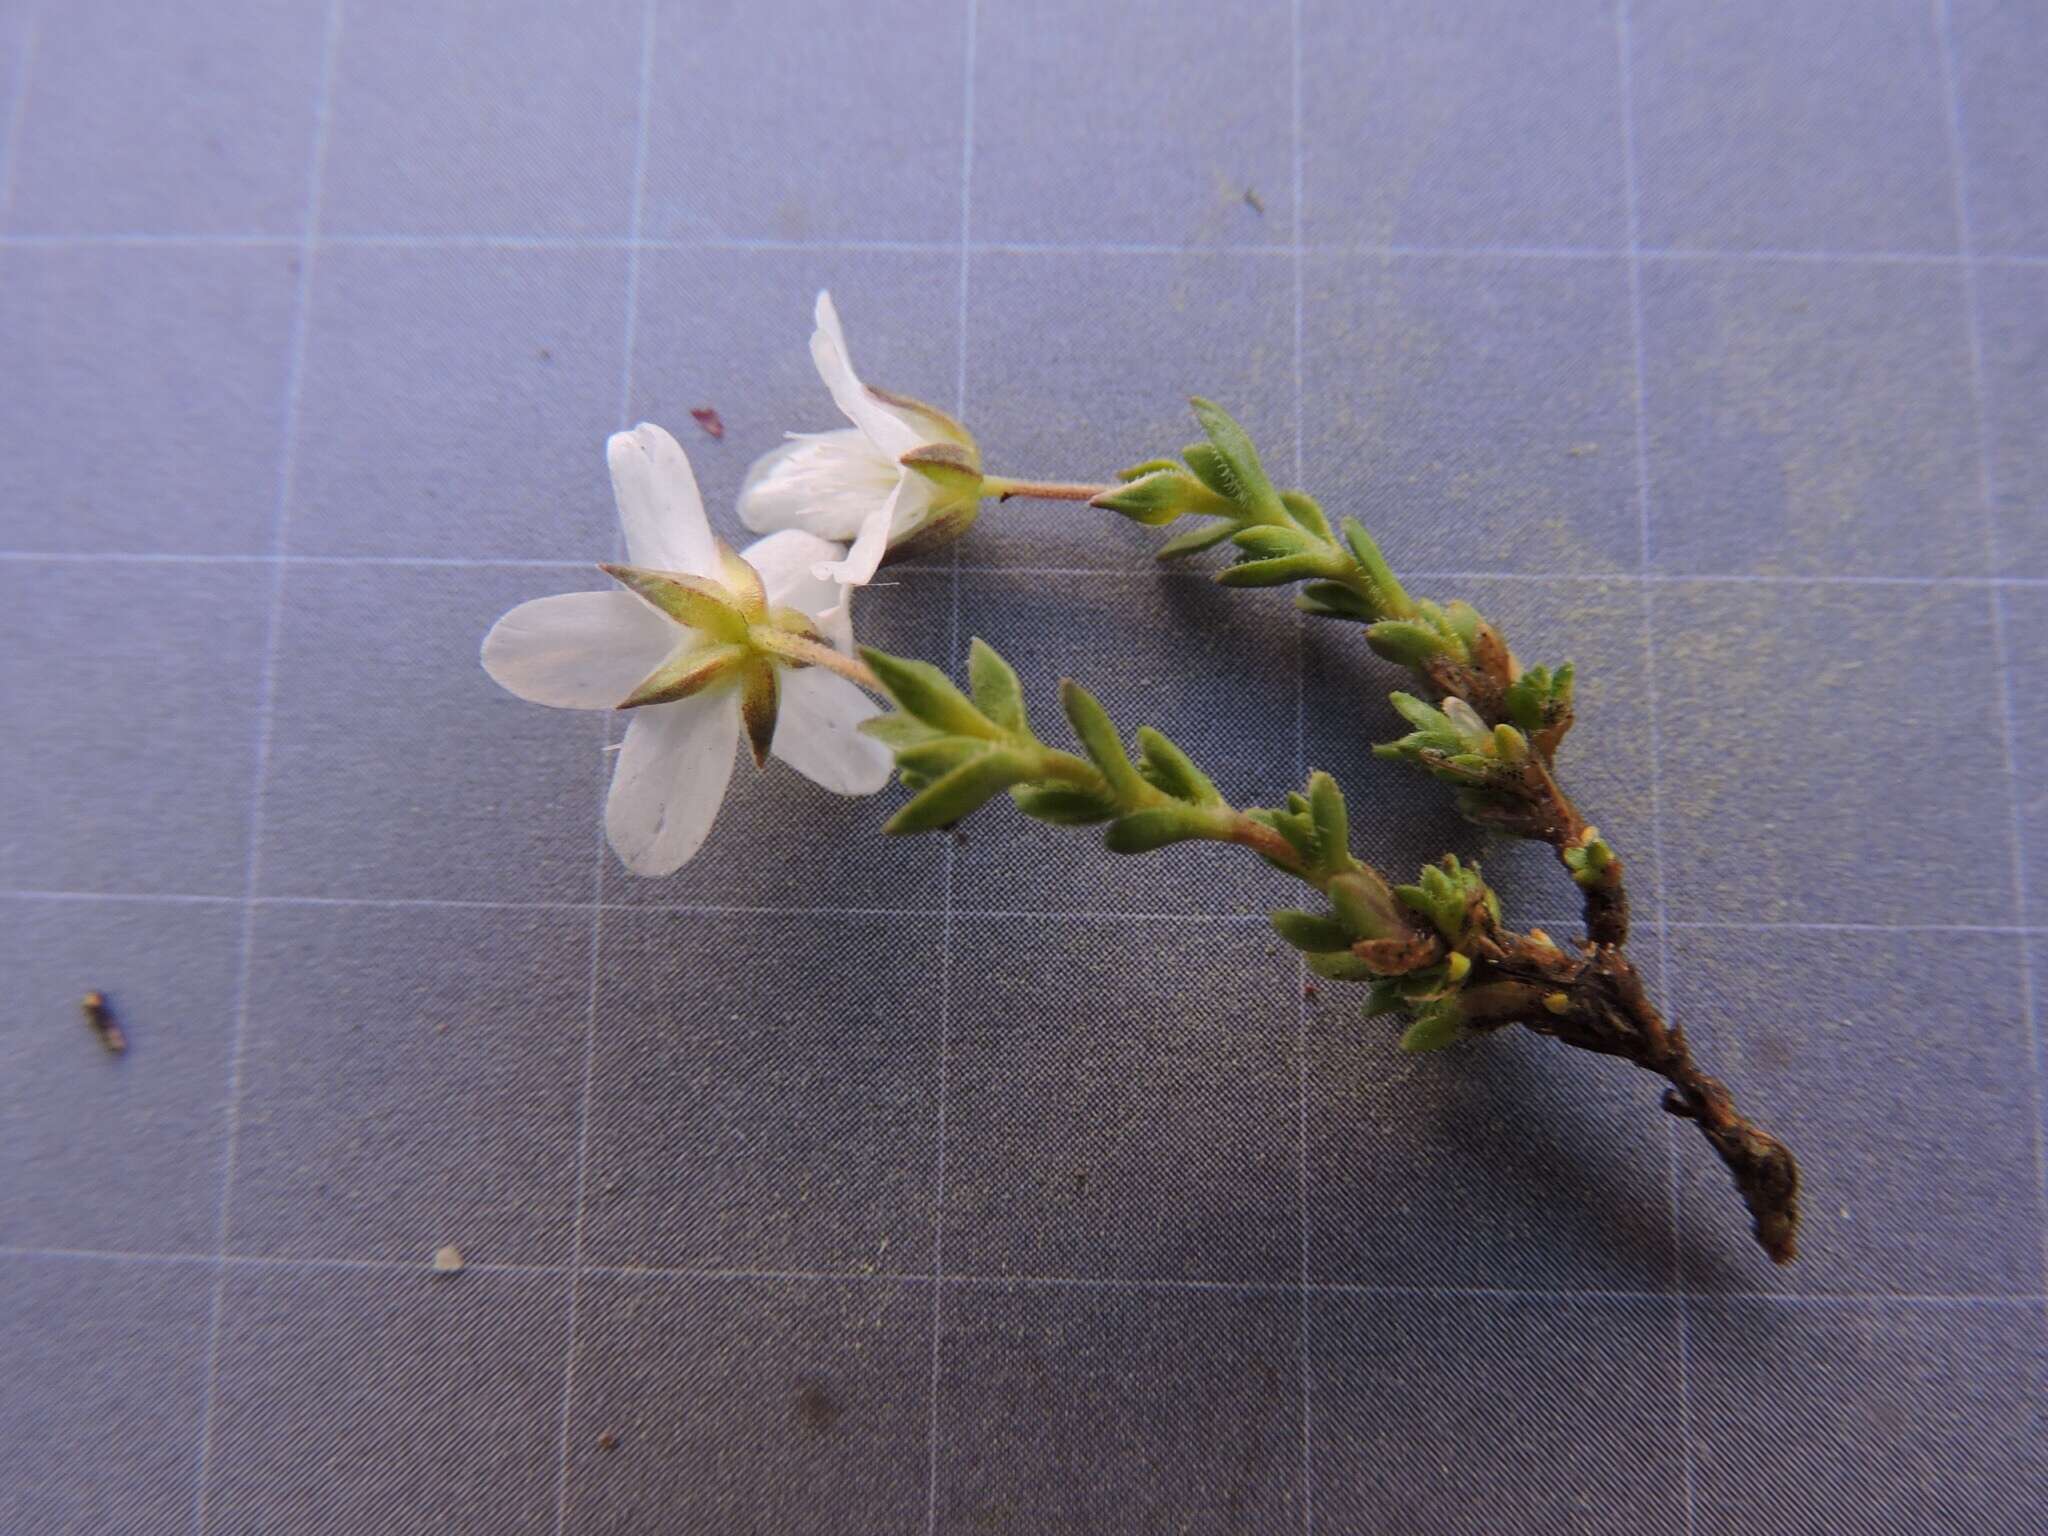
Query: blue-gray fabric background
{"points": [[993, 1184]]}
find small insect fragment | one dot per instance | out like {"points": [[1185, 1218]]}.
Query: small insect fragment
{"points": [[448, 1260], [1253, 201], [709, 420], [100, 1016], [607, 1441]]}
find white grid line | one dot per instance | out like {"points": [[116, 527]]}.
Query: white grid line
{"points": [[1301, 1016], [1102, 572], [280, 522], [624, 416], [2000, 619], [1646, 529], [971, 19], [925, 914], [1150, 1284], [17, 114], [396, 241]]}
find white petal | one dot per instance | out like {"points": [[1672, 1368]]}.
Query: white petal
{"points": [[884, 428], [788, 564], [581, 650], [865, 557], [670, 779], [816, 733], [826, 482], [658, 502]]}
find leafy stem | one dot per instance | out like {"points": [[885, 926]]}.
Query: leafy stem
{"points": [[1483, 724]]}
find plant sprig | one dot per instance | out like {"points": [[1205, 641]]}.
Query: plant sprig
{"points": [[1482, 723]]}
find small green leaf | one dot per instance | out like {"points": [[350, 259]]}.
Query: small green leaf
{"points": [[1364, 903], [965, 788], [1333, 600], [1265, 541], [1100, 740], [936, 758], [1149, 467], [1341, 965], [997, 693], [1405, 642], [1275, 573], [1063, 805], [1393, 600], [897, 731], [1332, 821], [1256, 494], [1472, 731], [1196, 539], [1426, 718], [1209, 468], [1303, 508], [1311, 931], [921, 689], [1143, 831], [1436, 1026], [1171, 770]]}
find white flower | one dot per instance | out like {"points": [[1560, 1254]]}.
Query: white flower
{"points": [[854, 483], [678, 649]]}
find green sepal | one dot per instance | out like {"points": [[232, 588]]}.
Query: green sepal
{"points": [[1099, 739], [1196, 539], [1155, 500], [922, 690], [1312, 932], [1143, 831], [965, 788], [760, 702], [688, 672], [1171, 771], [696, 601], [953, 472], [997, 693]]}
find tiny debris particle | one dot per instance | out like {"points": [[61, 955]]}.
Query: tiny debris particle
{"points": [[1253, 201], [607, 1441], [709, 420], [1310, 992], [448, 1260], [100, 1016], [1583, 450]]}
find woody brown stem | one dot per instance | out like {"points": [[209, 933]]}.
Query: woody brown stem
{"points": [[1597, 1002]]}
